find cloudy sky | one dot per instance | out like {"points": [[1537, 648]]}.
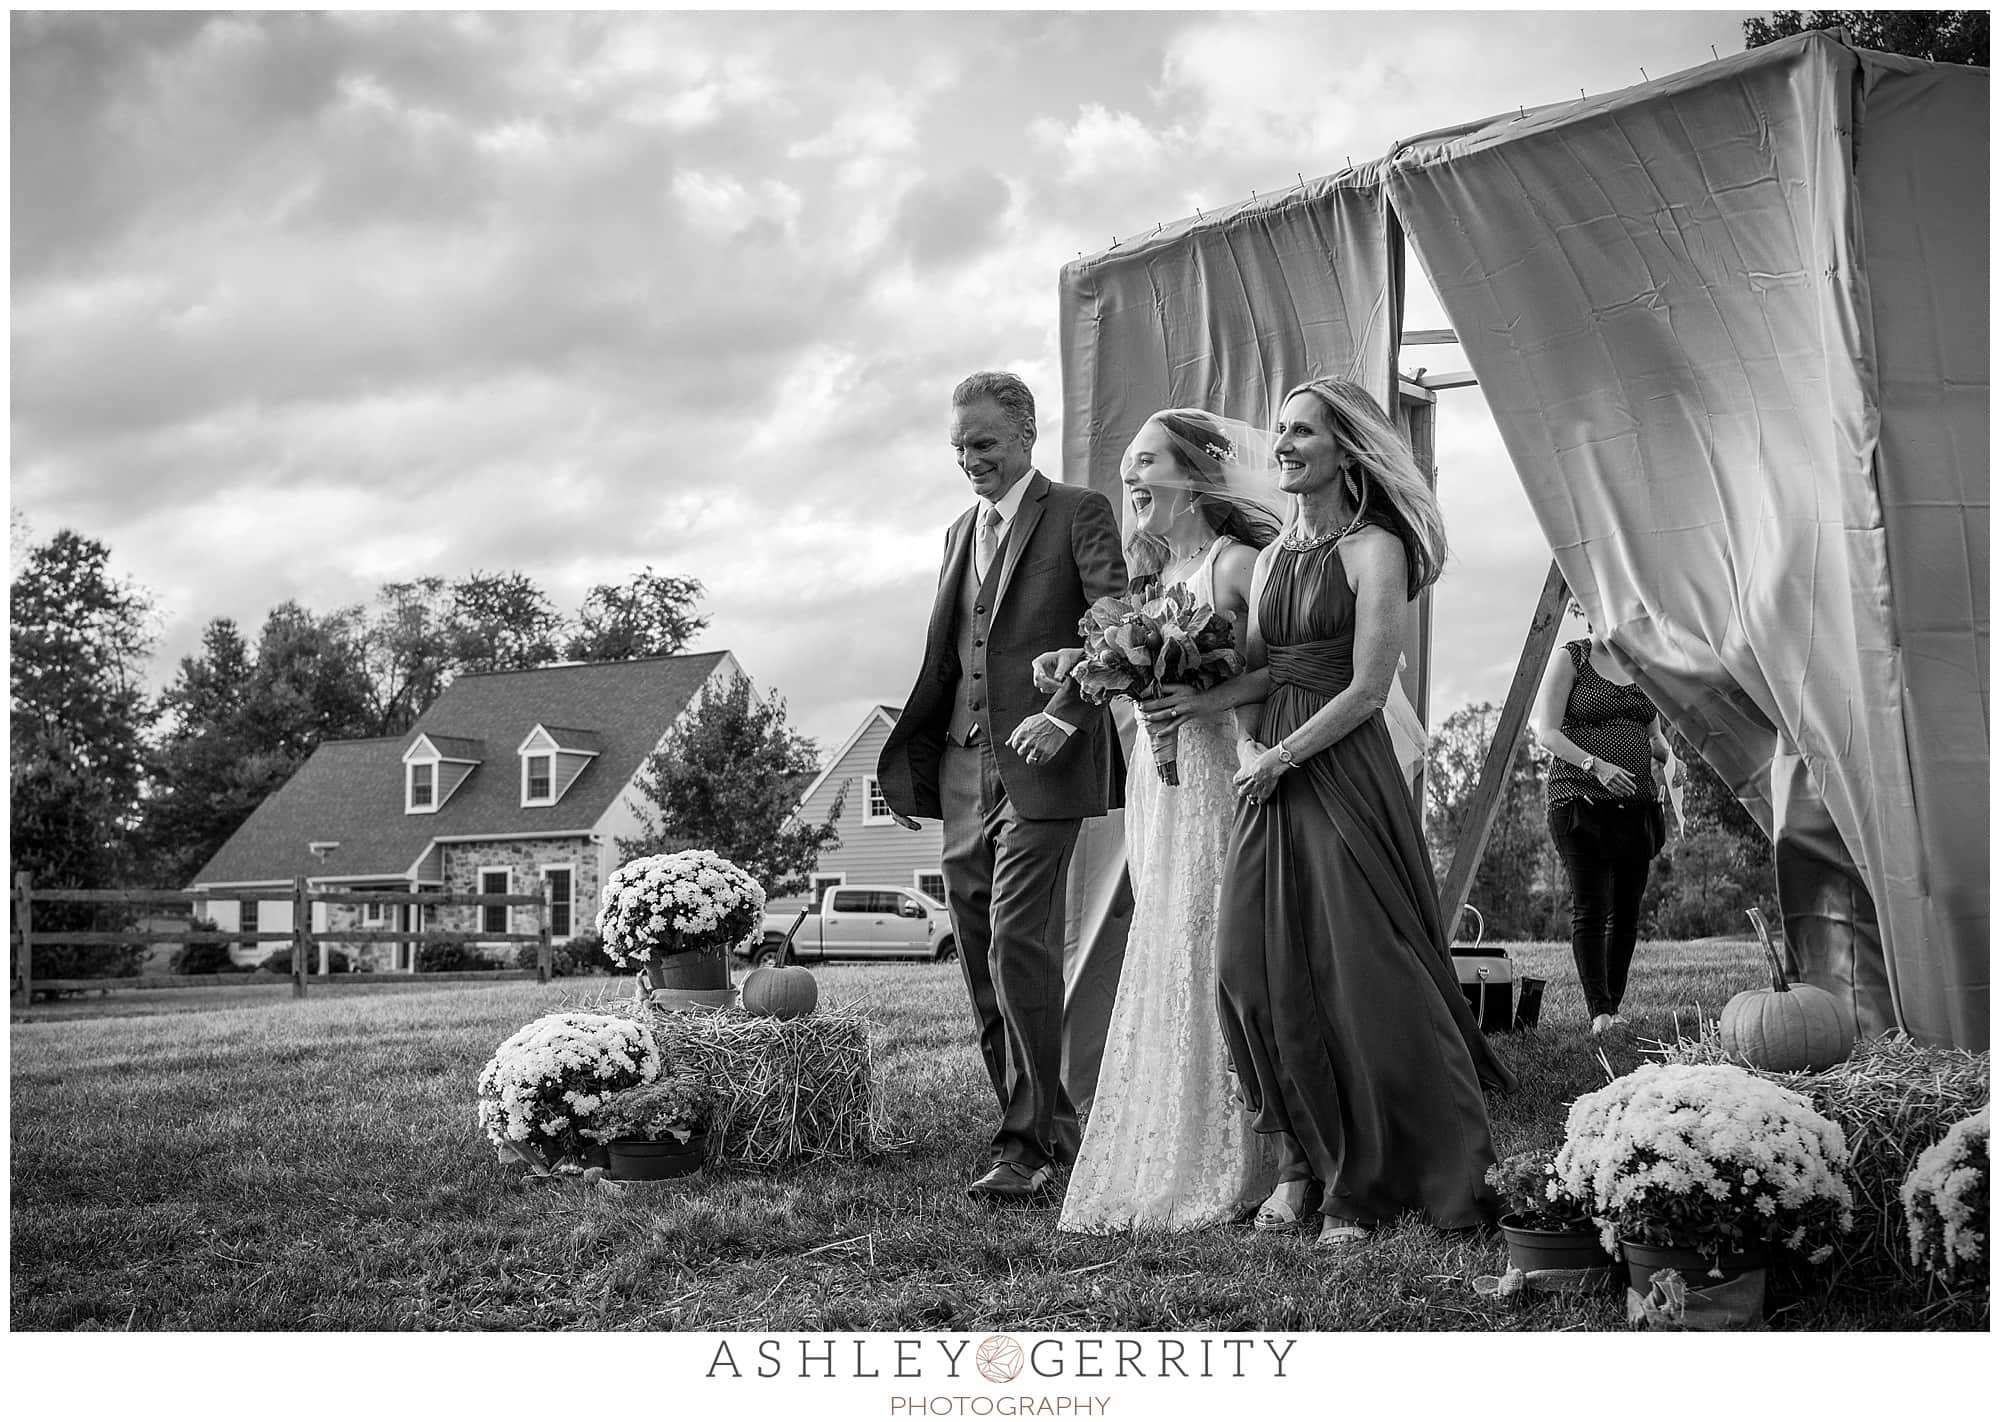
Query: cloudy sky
{"points": [[304, 303]]}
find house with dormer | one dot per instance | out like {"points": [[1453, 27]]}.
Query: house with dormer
{"points": [[509, 782], [873, 848]]}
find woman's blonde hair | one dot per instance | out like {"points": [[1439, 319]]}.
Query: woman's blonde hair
{"points": [[1389, 484]]}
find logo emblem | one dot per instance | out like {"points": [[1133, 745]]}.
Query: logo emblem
{"points": [[999, 1359]]}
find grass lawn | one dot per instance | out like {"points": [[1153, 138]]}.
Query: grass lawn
{"points": [[233, 1159]]}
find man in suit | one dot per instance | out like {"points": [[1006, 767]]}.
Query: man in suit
{"points": [[1010, 771]]}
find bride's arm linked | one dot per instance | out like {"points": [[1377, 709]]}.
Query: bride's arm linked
{"points": [[1373, 558]]}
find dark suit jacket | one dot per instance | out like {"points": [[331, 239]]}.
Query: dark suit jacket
{"points": [[1062, 554]]}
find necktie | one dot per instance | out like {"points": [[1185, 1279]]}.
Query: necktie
{"points": [[989, 543]]}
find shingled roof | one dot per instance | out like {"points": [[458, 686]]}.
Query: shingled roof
{"points": [[352, 791]]}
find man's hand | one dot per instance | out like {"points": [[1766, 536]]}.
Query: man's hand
{"points": [[1035, 740], [1052, 668], [904, 820]]}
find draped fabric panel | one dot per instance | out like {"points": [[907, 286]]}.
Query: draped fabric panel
{"points": [[1759, 456], [1923, 177], [1224, 311]]}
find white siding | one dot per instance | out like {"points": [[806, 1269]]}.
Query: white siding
{"points": [[868, 854]]}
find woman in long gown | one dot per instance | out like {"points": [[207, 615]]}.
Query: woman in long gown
{"points": [[1164, 1147], [1345, 1024]]}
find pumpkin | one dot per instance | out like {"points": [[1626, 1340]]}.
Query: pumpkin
{"points": [[780, 992], [1792, 1027]]}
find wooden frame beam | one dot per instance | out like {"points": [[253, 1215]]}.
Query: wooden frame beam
{"points": [[1485, 806]]}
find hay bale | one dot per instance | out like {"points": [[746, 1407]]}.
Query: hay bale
{"points": [[794, 1091], [1892, 1098]]}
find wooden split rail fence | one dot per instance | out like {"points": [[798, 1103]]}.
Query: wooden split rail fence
{"points": [[303, 940]]}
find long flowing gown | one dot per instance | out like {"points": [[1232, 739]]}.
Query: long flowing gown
{"points": [[1339, 1003], [1165, 1147]]}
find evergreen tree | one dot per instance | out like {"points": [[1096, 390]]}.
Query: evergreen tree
{"points": [[78, 644], [727, 778]]}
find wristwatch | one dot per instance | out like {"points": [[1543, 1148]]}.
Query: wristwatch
{"points": [[1588, 764]]}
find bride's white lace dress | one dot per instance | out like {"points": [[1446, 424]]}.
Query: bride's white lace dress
{"points": [[1165, 1146]]}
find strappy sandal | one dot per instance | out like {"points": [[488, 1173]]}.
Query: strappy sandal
{"points": [[1336, 1233], [1277, 1215]]}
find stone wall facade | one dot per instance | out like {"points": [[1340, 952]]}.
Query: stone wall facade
{"points": [[524, 859]]}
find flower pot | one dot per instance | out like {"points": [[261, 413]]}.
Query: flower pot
{"points": [[1543, 1249], [688, 971], [658, 1160], [1642, 1261], [1697, 1300]]}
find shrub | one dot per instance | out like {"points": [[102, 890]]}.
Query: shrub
{"points": [[581, 955], [191, 958], [87, 960], [280, 962], [452, 958]]}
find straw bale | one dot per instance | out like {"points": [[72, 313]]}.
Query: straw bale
{"points": [[794, 1091]]}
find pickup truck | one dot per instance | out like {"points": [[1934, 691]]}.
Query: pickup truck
{"points": [[861, 921]]}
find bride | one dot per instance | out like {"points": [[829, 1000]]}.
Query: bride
{"points": [[1165, 1148], [1167, 1145]]}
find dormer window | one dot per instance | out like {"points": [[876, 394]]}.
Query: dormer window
{"points": [[537, 772], [433, 768], [552, 757]]}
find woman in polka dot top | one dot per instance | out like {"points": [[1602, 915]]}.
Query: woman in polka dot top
{"points": [[1606, 814]]}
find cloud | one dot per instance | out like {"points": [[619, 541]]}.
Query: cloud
{"points": [[1099, 144], [945, 219], [306, 302]]}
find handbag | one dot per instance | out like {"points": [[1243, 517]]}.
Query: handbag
{"points": [[1488, 979]]}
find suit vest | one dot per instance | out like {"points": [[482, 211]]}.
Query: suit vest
{"points": [[971, 627]]}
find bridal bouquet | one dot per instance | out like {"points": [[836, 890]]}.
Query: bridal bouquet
{"points": [[1709, 1158], [549, 1079], [690, 902], [1133, 647]]}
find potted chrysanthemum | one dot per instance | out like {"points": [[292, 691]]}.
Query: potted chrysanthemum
{"points": [[675, 918], [1546, 1228], [1703, 1169], [1945, 1199], [659, 1130], [548, 1080]]}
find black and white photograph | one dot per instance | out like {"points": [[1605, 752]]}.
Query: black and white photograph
{"points": [[998, 713]]}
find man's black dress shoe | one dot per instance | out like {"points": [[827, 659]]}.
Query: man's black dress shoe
{"points": [[1009, 1183]]}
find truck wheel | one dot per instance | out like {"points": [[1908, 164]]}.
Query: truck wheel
{"points": [[946, 951], [768, 955]]}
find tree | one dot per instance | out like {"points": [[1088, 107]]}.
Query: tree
{"points": [[1942, 36], [78, 642], [206, 775], [309, 683], [405, 649], [501, 622], [1514, 888], [727, 778], [1716, 868], [649, 616]]}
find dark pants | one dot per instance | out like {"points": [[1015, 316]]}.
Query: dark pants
{"points": [[1607, 848], [1005, 877]]}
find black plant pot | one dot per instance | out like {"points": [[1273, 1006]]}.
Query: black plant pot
{"points": [[658, 1160]]}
